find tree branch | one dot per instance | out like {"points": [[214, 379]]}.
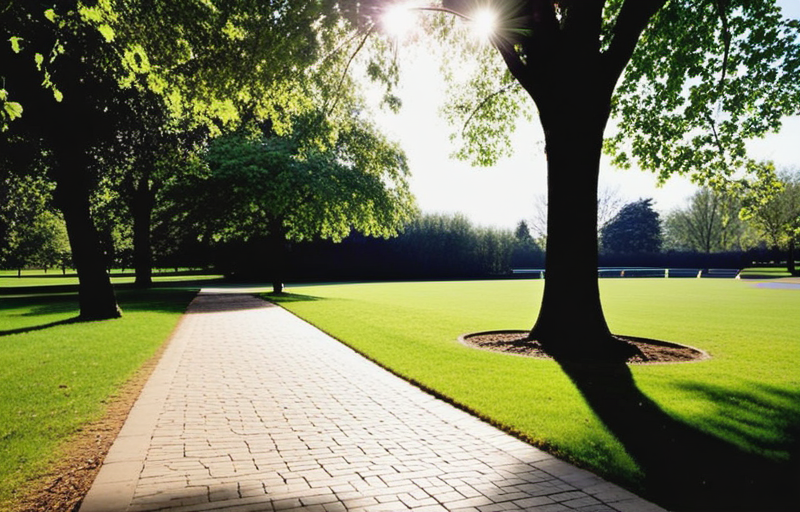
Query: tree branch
{"points": [[512, 59], [347, 68], [631, 22], [521, 50], [726, 39], [717, 141], [486, 100]]}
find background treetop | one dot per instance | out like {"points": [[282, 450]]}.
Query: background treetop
{"points": [[210, 61]]}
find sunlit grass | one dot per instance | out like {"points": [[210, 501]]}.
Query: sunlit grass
{"points": [[55, 377], [9, 279], [748, 394], [765, 272]]}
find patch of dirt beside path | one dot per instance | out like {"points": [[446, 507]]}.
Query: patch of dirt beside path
{"points": [[77, 463]]}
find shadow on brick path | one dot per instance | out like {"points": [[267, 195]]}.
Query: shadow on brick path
{"points": [[253, 409]]}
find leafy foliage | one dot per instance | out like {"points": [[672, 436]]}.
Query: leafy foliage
{"points": [[151, 80], [778, 216], [261, 185], [31, 233], [705, 78], [206, 60], [709, 223], [635, 229], [483, 106]]}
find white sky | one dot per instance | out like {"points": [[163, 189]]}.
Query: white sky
{"points": [[506, 193]]}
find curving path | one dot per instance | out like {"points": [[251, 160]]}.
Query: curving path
{"points": [[253, 409]]}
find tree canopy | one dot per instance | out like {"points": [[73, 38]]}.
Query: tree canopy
{"points": [[709, 223], [263, 184], [692, 80], [635, 229], [706, 77], [777, 215], [687, 82], [135, 73]]}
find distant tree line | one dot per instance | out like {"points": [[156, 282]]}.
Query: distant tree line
{"points": [[714, 228], [202, 223], [218, 212], [432, 246]]}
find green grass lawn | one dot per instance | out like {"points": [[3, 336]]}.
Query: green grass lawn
{"points": [[56, 375], [740, 409], [9, 281], [765, 273]]}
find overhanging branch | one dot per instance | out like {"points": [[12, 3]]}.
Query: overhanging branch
{"points": [[486, 100], [361, 44], [631, 22]]}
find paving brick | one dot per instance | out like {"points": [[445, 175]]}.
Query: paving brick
{"points": [[252, 409]]}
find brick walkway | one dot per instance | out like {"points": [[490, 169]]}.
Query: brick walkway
{"points": [[252, 409]]}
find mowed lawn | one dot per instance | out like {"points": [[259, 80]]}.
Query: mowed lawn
{"points": [[32, 279], [57, 375], [741, 407]]}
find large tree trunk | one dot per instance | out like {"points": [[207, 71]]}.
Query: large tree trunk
{"points": [[142, 203], [571, 302], [559, 61], [571, 323], [70, 127], [95, 293]]}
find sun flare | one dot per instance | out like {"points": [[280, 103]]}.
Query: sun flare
{"points": [[484, 23], [399, 20]]}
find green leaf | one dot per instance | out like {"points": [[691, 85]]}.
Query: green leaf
{"points": [[13, 109], [16, 43], [39, 58], [50, 14], [107, 32]]}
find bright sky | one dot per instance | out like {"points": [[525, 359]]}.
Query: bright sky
{"points": [[507, 193]]}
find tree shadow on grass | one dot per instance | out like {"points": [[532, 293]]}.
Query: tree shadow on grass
{"points": [[685, 468], [287, 298], [131, 300], [223, 301], [41, 327]]}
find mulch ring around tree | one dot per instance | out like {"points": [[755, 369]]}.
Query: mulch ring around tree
{"points": [[517, 343]]}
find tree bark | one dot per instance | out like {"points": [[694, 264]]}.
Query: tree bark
{"points": [[95, 292], [571, 286], [571, 322], [142, 203], [573, 96]]}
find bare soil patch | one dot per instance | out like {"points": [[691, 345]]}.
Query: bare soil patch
{"points": [[518, 343]]}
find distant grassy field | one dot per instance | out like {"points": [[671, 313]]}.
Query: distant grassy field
{"points": [[35, 278], [56, 376], [765, 272], [741, 408]]}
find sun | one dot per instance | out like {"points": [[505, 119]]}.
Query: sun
{"points": [[484, 23], [399, 20]]}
